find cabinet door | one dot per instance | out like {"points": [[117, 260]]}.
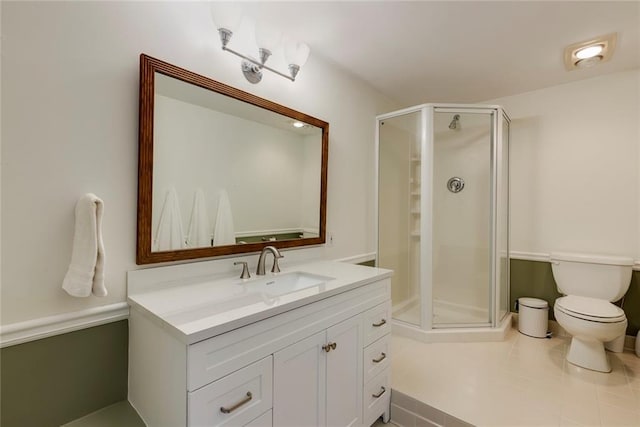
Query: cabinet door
{"points": [[299, 383], [344, 373]]}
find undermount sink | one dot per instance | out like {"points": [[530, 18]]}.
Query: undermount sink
{"points": [[280, 284]]}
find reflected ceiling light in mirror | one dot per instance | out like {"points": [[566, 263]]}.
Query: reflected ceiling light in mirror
{"points": [[226, 17], [298, 124]]}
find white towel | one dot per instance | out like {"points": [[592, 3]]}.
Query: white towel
{"points": [[169, 234], [86, 270], [224, 233], [199, 234]]}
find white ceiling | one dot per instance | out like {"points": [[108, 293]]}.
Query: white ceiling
{"points": [[457, 51]]}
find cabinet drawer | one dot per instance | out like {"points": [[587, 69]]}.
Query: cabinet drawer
{"points": [[377, 394], [377, 322], [264, 420], [235, 399], [376, 357]]}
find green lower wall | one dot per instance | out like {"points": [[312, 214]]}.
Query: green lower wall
{"points": [[535, 279], [371, 263], [55, 380]]}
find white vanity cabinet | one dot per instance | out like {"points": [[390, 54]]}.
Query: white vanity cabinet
{"points": [[312, 365], [318, 381]]}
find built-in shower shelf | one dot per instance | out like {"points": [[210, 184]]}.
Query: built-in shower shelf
{"points": [[415, 212], [415, 234], [416, 159], [415, 193]]}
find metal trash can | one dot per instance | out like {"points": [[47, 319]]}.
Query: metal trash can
{"points": [[533, 319]]}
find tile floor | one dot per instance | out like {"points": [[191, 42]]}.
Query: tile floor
{"points": [[521, 381]]}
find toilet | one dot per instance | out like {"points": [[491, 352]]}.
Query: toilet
{"points": [[590, 283]]}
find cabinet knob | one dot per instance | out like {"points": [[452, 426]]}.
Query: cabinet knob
{"points": [[329, 347]]}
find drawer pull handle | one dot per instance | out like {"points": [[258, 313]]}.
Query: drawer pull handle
{"points": [[237, 405], [329, 347], [380, 359], [380, 323], [382, 390]]}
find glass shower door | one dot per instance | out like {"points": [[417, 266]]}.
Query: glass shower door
{"points": [[502, 213], [399, 211], [462, 221]]}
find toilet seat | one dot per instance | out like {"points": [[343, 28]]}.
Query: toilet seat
{"points": [[590, 309]]}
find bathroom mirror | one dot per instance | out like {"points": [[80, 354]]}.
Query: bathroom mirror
{"points": [[222, 171]]}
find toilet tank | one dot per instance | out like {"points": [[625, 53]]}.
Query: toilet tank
{"points": [[595, 276]]}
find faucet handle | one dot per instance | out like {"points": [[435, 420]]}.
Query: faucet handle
{"points": [[245, 269], [276, 267]]}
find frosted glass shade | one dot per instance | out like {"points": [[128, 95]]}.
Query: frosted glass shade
{"points": [[267, 37], [296, 53], [226, 15]]}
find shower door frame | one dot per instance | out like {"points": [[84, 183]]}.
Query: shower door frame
{"points": [[424, 120], [427, 111], [492, 113]]}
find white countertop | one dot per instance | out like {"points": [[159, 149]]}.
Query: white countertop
{"points": [[197, 309]]}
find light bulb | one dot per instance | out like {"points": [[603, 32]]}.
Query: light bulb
{"points": [[267, 37], [226, 15], [589, 51], [296, 53]]}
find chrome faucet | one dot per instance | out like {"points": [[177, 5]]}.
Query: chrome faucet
{"points": [[260, 271]]}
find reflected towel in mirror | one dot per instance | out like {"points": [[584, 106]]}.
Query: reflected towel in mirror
{"points": [[224, 233], [86, 270], [199, 233], [170, 234]]}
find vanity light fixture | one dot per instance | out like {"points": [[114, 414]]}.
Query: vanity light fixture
{"points": [[589, 53], [267, 38]]}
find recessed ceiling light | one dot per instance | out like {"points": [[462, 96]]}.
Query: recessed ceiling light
{"points": [[589, 62], [298, 124], [589, 53]]}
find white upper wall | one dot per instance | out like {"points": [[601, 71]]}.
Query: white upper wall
{"points": [[70, 126], [575, 161]]}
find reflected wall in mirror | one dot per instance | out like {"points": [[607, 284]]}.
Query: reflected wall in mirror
{"points": [[222, 171]]}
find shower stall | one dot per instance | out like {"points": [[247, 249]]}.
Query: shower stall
{"points": [[443, 220]]}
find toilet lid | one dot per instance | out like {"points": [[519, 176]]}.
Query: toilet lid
{"points": [[593, 309]]}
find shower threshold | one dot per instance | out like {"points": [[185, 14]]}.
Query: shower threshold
{"points": [[454, 334]]}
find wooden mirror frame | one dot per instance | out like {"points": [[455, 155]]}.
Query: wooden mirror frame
{"points": [[148, 67]]}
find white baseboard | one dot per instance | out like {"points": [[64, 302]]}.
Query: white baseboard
{"points": [[35, 329]]}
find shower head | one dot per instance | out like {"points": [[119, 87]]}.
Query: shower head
{"points": [[455, 123]]}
